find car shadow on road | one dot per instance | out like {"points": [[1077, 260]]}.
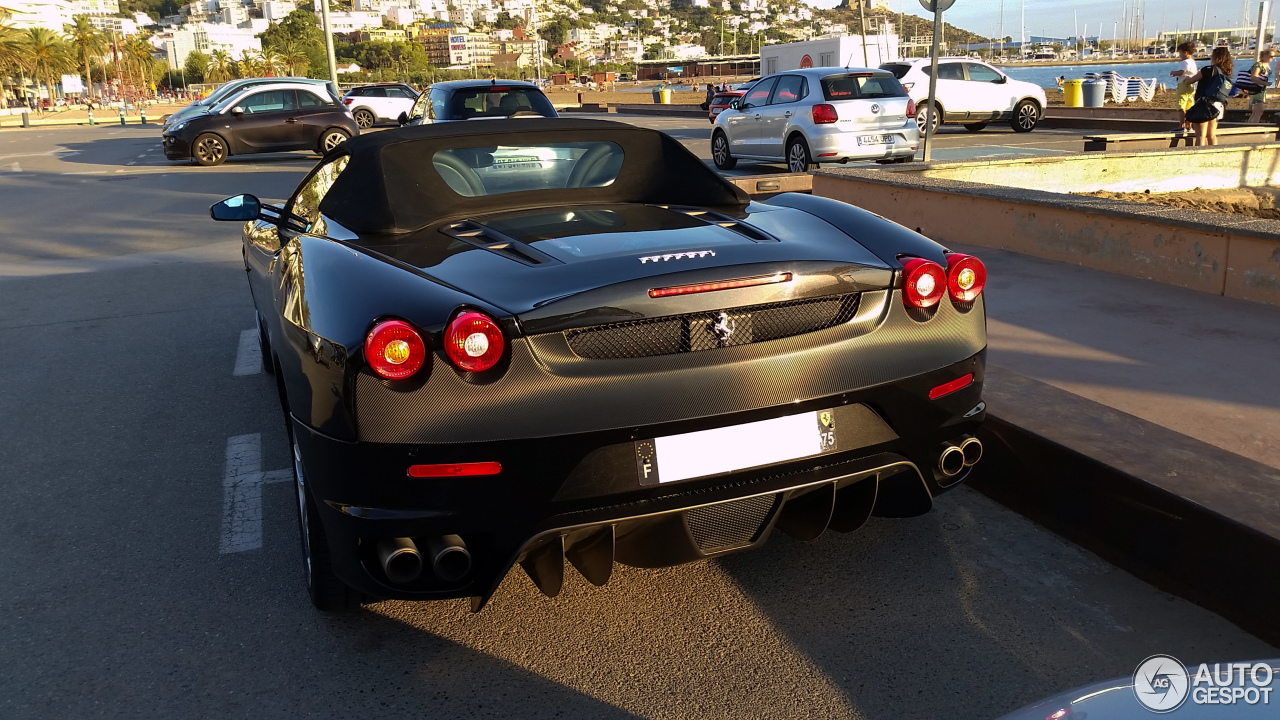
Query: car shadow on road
{"points": [[124, 151]]}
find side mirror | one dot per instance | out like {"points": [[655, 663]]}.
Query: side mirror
{"points": [[1002, 80], [735, 105], [236, 209], [237, 111], [403, 119]]}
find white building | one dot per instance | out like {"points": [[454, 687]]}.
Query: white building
{"points": [[832, 51], [23, 14], [206, 37], [95, 7], [120, 26], [350, 22], [274, 11]]}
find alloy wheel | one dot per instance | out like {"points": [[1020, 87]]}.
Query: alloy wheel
{"points": [[798, 157], [364, 119], [1028, 116], [210, 150], [925, 118], [333, 139], [720, 150]]}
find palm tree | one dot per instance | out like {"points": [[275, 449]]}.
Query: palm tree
{"points": [[294, 56], [47, 56], [249, 65], [141, 55], [13, 57], [219, 69], [269, 62], [89, 41]]}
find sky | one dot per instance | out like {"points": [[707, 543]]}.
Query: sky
{"points": [[1058, 18]]}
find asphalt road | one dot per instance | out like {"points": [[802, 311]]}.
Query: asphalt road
{"points": [[123, 307]]}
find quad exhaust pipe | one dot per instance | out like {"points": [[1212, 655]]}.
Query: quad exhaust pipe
{"points": [[955, 458], [403, 561]]}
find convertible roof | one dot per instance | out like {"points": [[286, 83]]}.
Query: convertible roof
{"points": [[390, 185]]}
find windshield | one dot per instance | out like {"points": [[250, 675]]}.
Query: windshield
{"points": [[861, 86], [477, 171], [497, 102]]}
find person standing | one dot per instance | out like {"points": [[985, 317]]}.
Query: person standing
{"points": [[1260, 75], [1186, 91], [1213, 82]]}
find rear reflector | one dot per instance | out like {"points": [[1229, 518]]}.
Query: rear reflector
{"points": [[472, 469], [826, 154], [721, 285], [949, 387]]}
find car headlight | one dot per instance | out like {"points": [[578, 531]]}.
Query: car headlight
{"points": [[178, 127]]}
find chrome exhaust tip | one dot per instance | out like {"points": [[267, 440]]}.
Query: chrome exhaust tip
{"points": [[449, 557], [951, 461], [400, 559], [972, 449]]}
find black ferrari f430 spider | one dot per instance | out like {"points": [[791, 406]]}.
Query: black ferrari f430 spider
{"points": [[531, 341]]}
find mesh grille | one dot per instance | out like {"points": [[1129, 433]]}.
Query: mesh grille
{"points": [[704, 330], [731, 524]]}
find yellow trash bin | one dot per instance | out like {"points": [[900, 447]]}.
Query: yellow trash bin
{"points": [[1073, 93], [664, 96]]}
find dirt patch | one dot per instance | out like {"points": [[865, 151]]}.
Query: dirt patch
{"points": [[1250, 202], [1167, 100]]}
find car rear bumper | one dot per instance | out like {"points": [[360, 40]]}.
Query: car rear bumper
{"points": [[581, 497], [839, 145]]}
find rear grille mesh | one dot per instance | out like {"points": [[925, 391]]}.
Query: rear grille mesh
{"points": [[694, 332], [731, 524]]}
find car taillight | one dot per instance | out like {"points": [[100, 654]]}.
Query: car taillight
{"points": [[908, 86], [474, 342], [394, 350], [824, 114], [347, 101], [911, 108], [923, 281], [966, 276]]}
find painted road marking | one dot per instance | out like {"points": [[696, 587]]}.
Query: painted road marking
{"points": [[242, 494], [17, 168], [249, 355]]}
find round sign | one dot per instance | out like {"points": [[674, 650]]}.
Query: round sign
{"points": [[806, 62], [941, 4]]}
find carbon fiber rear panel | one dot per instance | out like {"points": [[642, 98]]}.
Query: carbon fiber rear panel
{"points": [[729, 525]]}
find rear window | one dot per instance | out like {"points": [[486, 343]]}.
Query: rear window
{"points": [[859, 86], [898, 69], [496, 102], [479, 171]]}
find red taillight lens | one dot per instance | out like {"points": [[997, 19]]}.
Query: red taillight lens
{"points": [[947, 388], [394, 350], [908, 86], [347, 101], [911, 108], [720, 285], [824, 114], [966, 276], [471, 469], [474, 342], [923, 281]]}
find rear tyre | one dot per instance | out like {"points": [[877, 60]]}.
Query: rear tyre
{"points": [[975, 127], [327, 592], [720, 152], [331, 139], [364, 119], [209, 150], [1026, 115], [798, 158], [926, 117]]}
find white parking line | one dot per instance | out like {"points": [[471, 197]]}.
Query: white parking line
{"points": [[16, 167], [242, 494], [249, 356]]}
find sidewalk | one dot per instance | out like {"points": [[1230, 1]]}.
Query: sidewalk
{"points": [[78, 115]]}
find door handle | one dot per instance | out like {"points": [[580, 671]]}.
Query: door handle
{"points": [[757, 116], [292, 120], [786, 114]]}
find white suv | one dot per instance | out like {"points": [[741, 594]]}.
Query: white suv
{"points": [[371, 104], [970, 93]]}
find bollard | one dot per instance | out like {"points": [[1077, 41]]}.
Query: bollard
{"points": [[26, 119], [144, 114], [91, 116], [121, 113]]}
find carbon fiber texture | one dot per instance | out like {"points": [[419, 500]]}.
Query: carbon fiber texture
{"points": [[548, 391], [695, 332], [729, 525]]}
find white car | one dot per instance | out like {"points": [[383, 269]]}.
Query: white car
{"points": [[371, 104], [970, 93]]}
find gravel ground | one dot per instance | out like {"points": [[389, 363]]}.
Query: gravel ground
{"points": [[1251, 202]]}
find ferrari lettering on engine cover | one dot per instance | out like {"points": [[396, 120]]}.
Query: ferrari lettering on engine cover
{"points": [[677, 256]]}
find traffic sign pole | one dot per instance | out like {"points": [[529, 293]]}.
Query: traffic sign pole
{"points": [[937, 6]]}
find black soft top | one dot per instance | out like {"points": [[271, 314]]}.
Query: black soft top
{"points": [[390, 185]]}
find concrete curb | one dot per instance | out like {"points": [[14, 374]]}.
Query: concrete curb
{"points": [[1189, 518]]}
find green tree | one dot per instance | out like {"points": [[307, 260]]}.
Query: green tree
{"points": [[219, 68], [89, 42], [294, 56], [507, 22], [298, 32], [47, 55], [249, 65], [13, 56], [194, 66]]}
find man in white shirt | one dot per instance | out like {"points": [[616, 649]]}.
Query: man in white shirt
{"points": [[1186, 91]]}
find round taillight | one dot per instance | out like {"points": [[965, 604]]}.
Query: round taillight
{"points": [[923, 283], [394, 350], [966, 276], [474, 342]]}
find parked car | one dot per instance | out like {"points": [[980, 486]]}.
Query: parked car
{"points": [[234, 86], [720, 102], [381, 102], [260, 119], [817, 115], [970, 93], [478, 99], [603, 352]]}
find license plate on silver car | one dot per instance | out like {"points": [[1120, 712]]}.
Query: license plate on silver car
{"points": [[875, 139]]}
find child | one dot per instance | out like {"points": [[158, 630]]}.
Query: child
{"points": [[1186, 91], [1260, 75]]}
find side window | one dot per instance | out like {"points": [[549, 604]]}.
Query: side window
{"points": [[790, 89], [439, 103], [269, 101], [982, 73], [950, 71], [306, 203], [308, 101], [759, 93], [396, 92], [375, 92]]}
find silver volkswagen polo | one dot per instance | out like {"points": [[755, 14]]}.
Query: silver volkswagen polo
{"points": [[818, 115]]}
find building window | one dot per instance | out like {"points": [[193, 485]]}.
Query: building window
{"points": [[770, 65], [826, 59]]}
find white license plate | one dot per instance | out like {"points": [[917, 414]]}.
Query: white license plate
{"points": [[875, 139], [737, 447]]}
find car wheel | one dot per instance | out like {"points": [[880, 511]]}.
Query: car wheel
{"points": [[1025, 116], [925, 117], [331, 139], [209, 150], [720, 152], [327, 592], [798, 159], [364, 119], [975, 127]]}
